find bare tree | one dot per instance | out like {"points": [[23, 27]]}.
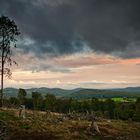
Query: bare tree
{"points": [[8, 33]]}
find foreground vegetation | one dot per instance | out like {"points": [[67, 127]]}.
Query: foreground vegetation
{"points": [[53, 126], [116, 108], [51, 118]]}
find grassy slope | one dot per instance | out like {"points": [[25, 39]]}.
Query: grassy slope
{"points": [[38, 125]]}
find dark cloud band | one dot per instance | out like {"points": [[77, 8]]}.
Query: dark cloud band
{"points": [[62, 26]]}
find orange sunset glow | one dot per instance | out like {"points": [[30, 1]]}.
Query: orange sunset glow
{"points": [[71, 44]]}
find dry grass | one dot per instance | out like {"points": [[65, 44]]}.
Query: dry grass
{"points": [[39, 125]]}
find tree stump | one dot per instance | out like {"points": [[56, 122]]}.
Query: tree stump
{"points": [[94, 127], [22, 111]]}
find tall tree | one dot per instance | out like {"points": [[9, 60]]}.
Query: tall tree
{"points": [[8, 33], [21, 95], [50, 101], [37, 100]]}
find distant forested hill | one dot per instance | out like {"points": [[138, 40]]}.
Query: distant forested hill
{"points": [[128, 89], [13, 92], [79, 93], [90, 93]]}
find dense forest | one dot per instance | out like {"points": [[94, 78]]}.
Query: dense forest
{"points": [[107, 108]]}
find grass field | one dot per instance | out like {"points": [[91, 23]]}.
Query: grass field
{"points": [[124, 99], [120, 99]]}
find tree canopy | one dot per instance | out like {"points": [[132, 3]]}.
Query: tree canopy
{"points": [[8, 33]]}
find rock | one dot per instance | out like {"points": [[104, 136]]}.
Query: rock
{"points": [[109, 121]]}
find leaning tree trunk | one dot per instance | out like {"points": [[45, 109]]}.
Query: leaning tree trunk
{"points": [[1, 99], [2, 73]]}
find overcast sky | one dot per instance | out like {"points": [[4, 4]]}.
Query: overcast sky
{"points": [[75, 43]]}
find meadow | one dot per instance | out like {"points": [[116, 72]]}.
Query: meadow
{"points": [[118, 99]]}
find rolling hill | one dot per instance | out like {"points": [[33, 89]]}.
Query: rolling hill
{"points": [[78, 93], [90, 93], [13, 92], [128, 89]]}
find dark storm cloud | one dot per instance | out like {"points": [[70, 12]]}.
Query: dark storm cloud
{"points": [[61, 26]]}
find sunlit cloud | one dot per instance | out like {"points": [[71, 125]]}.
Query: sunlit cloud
{"points": [[75, 43]]}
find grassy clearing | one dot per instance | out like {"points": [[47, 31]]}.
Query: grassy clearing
{"points": [[39, 125], [124, 99], [119, 99]]}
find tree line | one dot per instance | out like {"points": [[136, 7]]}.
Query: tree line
{"points": [[103, 108]]}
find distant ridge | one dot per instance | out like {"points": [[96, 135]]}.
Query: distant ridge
{"points": [[128, 89], [78, 93]]}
